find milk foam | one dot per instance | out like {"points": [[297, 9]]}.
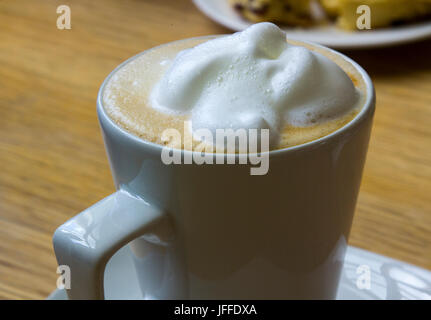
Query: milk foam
{"points": [[254, 80]]}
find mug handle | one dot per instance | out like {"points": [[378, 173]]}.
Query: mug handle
{"points": [[86, 242]]}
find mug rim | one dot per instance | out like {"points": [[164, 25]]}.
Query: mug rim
{"points": [[366, 111]]}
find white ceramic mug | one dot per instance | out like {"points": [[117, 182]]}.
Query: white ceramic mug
{"points": [[217, 231]]}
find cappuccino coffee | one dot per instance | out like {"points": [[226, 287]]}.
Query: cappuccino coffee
{"points": [[253, 79]]}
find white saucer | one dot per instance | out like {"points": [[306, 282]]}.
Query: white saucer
{"points": [[222, 13], [389, 278]]}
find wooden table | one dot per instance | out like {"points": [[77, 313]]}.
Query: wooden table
{"points": [[52, 160]]}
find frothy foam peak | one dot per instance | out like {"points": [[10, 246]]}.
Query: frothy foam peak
{"points": [[254, 79]]}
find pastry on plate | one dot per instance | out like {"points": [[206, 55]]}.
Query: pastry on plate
{"points": [[331, 7], [290, 12], [384, 13]]}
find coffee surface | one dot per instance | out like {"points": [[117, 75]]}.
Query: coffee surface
{"points": [[126, 99]]}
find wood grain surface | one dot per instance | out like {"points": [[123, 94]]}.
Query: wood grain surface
{"points": [[52, 160]]}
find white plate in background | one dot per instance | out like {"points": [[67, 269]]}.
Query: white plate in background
{"points": [[222, 13]]}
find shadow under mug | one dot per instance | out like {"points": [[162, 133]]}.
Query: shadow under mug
{"points": [[215, 231]]}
